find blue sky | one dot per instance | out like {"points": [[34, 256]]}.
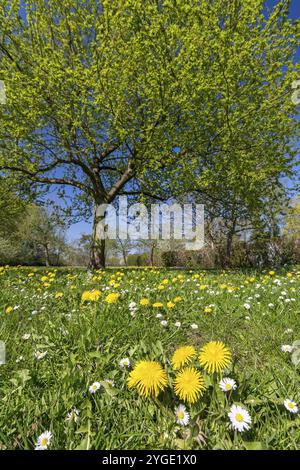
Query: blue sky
{"points": [[76, 230]]}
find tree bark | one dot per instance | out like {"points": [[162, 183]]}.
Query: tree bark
{"points": [[97, 253]]}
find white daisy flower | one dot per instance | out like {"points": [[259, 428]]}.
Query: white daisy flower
{"points": [[159, 315], [40, 355], [287, 348], [227, 384], [94, 387], [125, 362], [291, 406], [178, 324], [43, 441], [73, 415], [182, 415], [288, 331], [110, 382], [247, 306], [240, 418], [164, 323], [194, 326], [26, 336]]}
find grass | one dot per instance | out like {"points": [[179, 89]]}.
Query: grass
{"points": [[85, 341]]}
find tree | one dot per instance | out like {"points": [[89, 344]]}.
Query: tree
{"points": [[147, 97], [90, 96], [291, 227], [44, 231]]}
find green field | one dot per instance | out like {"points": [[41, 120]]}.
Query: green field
{"points": [[42, 311]]}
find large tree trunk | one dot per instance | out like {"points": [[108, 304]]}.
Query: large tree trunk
{"points": [[97, 254]]}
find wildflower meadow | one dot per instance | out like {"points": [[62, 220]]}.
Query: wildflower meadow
{"points": [[149, 359]]}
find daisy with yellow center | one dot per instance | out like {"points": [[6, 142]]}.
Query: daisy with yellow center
{"points": [[183, 356], [214, 356], [291, 406], [189, 385], [148, 377]]}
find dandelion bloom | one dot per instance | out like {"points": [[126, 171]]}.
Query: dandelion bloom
{"points": [[144, 302], [189, 384], [182, 415], [91, 296], [214, 356], [112, 298], [183, 356], [240, 418], [158, 305], [148, 377]]}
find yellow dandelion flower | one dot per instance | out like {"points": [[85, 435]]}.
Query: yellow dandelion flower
{"points": [[148, 377], [177, 299], [208, 310], [9, 310], [183, 356], [91, 296], [158, 305], [170, 304], [59, 295], [112, 298], [189, 385], [144, 302], [215, 356]]}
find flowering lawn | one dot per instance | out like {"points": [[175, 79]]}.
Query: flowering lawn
{"points": [[149, 359]]}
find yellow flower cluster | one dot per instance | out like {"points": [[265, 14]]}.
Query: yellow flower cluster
{"points": [[150, 378]]}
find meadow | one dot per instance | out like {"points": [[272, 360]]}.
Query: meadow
{"points": [[93, 359]]}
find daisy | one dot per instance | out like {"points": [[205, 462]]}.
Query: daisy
{"points": [[178, 324], [287, 348], [227, 384], [291, 406], [43, 441], [125, 362], [182, 415], [247, 306], [40, 355], [164, 323], [26, 336], [94, 387], [194, 326], [73, 415], [148, 377], [240, 418]]}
